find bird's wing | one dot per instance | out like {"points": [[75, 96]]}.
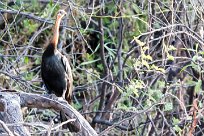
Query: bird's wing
{"points": [[69, 78], [66, 65]]}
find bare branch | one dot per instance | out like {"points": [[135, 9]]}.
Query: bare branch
{"points": [[6, 128], [37, 101]]}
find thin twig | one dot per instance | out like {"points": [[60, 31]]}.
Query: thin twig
{"points": [[6, 128]]}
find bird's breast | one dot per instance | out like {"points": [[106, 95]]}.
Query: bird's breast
{"points": [[53, 74], [53, 65]]}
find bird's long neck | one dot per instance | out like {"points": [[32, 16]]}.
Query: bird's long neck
{"points": [[55, 37]]}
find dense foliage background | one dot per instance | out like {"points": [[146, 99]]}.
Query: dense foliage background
{"points": [[137, 64]]}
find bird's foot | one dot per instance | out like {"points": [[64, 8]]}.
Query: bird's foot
{"points": [[62, 100], [54, 97]]}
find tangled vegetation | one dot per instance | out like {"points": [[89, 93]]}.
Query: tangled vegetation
{"points": [[137, 65]]}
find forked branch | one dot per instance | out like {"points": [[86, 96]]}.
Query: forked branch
{"points": [[39, 101]]}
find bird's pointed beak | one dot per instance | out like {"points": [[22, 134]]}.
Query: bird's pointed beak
{"points": [[64, 12], [61, 13]]}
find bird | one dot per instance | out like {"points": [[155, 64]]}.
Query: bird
{"points": [[55, 68]]}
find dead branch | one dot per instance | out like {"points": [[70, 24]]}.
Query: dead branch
{"points": [[10, 105], [6, 128], [39, 101], [195, 120], [32, 16]]}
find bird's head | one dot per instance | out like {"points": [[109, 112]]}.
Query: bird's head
{"points": [[61, 14]]}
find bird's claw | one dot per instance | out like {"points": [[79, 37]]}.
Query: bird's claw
{"points": [[62, 100]]}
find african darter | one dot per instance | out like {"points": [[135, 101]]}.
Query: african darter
{"points": [[55, 68]]}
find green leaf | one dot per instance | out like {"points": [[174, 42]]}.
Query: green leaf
{"points": [[29, 76], [157, 68], [26, 60], [77, 105], [201, 52], [185, 67], [152, 98], [175, 121], [100, 66], [200, 104], [119, 89], [171, 48], [196, 67], [145, 48], [38, 61], [145, 63], [35, 3], [89, 62], [147, 57], [19, 2], [29, 26], [140, 43], [110, 51], [136, 8], [168, 106], [135, 91], [194, 58], [198, 86], [177, 128], [170, 57]]}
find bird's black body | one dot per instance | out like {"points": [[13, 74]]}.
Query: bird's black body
{"points": [[53, 72], [56, 73], [57, 77]]}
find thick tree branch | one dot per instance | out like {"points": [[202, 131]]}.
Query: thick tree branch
{"points": [[6, 128], [38, 101], [12, 113], [116, 92], [105, 66]]}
